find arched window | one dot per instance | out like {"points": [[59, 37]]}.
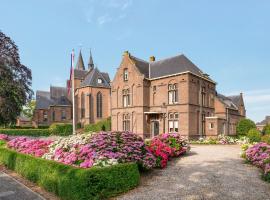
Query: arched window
{"points": [[82, 105], [99, 105]]}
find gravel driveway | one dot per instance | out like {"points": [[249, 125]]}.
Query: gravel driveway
{"points": [[207, 172]]}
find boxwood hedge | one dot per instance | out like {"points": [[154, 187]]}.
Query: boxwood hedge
{"points": [[25, 132], [103, 125], [70, 183], [61, 129]]}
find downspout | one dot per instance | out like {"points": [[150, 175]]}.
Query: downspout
{"points": [[227, 119]]}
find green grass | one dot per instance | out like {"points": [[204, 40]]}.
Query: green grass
{"points": [[70, 183]]}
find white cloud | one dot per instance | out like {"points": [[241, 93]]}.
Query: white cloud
{"points": [[104, 19], [106, 11]]}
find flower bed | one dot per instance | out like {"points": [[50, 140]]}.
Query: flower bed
{"points": [[166, 146], [102, 149], [222, 139], [72, 183], [259, 155]]}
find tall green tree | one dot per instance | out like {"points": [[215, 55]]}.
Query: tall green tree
{"points": [[244, 125], [15, 81]]}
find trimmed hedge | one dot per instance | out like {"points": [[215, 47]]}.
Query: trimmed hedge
{"points": [[104, 125], [25, 132], [70, 183], [61, 129]]}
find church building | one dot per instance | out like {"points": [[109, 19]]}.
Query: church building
{"points": [[92, 98]]}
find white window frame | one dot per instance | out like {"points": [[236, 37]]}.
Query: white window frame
{"points": [[173, 122]]}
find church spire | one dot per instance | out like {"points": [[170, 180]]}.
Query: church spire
{"points": [[90, 62], [80, 64]]}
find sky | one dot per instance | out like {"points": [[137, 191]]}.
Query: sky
{"points": [[229, 39]]}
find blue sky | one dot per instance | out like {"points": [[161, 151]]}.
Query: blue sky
{"points": [[227, 39]]}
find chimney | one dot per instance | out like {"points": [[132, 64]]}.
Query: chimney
{"points": [[152, 58], [126, 53]]}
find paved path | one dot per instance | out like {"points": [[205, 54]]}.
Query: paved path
{"points": [[208, 172], [10, 189]]}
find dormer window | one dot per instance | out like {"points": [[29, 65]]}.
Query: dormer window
{"points": [[99, 81], [125, 74]]}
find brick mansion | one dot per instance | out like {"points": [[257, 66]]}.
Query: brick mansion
{"points": [[145, 97]]}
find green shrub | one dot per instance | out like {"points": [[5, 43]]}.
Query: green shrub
{"points": [[254, 135], [61, 129], [70, 183], [266, 138], [266, 129], [244, 125], [104, 125], [26, 132]]}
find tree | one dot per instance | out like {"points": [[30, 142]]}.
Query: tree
{"points": [[15, 81], [244, 125], [254, 135], [266, 129], [28, 109]]}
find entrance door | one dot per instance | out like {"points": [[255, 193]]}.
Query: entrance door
{"points": [[155, 128]]}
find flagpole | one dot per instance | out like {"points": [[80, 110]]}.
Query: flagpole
{"points": [[73, 95]]}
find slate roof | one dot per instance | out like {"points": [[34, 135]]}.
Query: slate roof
{"points": [[79, 74], [56, 97], [169, 66], [91, 79], [265, 121], [231, 102], [80, 63], [142, 65]]}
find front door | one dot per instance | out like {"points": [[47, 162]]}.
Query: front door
{"points": [[155, 128]]}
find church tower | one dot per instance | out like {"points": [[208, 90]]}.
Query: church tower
{"points": [[90, 62], [80, 64]]}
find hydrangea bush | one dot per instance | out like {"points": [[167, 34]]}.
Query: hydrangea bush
{"points": [[259, 155], [103, 149], [165, 146], [35, 147], [4, 137]]}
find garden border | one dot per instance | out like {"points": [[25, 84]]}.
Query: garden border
{"points": [[72, 183]]}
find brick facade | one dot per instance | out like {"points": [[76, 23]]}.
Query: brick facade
{"points": [[150, 112]]}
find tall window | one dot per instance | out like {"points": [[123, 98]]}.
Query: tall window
{"points": [[99, 105], [45, 116], [125, 74], [63, 115], [203, 96], [173, 122], [53, 116], [126, 122], [173, 93], [126, 98], [203, 124], [82, 105]]}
